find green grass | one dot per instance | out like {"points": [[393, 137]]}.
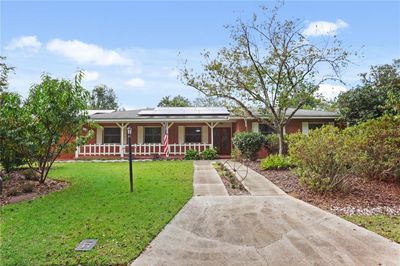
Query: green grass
{"points": [[384, 225], [97, 205]]}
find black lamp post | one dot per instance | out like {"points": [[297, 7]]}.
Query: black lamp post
{"points": [[130, 157]]}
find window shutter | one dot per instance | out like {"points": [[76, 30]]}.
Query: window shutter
{"points": [[255, 127], [140, 135], [304, 127], [204, 134], [181, 134], [99, 135]]}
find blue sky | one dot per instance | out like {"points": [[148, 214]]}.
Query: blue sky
{"points": [[137, 47]]}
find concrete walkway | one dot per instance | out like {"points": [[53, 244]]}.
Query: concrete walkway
{"points": [[206, 181], [269, 229]]}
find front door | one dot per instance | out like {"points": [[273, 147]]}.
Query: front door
{"points": [[222, 140]]}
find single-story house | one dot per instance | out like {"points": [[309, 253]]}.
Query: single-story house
{"points": [[196, 128]]}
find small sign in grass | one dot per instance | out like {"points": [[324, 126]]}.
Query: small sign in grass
{"points": [[86, 245]]}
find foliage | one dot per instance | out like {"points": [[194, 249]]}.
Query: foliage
{"points": [[318, 158], [48, 122], [249, 143], [11, 126], [4, 73], [209, 154], [192, 155], [235, 154], [207, 102], [378, 94], [272, 143], [270, 67], [276, 162], [177, 101], [385, 225], [103, 97], [372, 148], [95, 206]]}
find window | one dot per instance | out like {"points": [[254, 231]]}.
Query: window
{"points": [[152, 134], [192, 134], [112, 135], [314, 125], [266, 129]]}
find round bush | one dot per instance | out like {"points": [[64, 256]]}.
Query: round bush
{"points": [[276, 162], [209, 154], [192, 155], [249, 143]]}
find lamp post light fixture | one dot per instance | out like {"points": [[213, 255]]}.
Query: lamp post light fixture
{"points": [[130, 157]]}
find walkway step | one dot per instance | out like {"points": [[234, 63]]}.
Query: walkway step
{"points": [[206, 181]]}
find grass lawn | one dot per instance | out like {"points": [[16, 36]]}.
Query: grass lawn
{"points": [[384, 225], [97, 205]]}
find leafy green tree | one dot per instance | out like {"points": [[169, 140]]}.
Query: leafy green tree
{"points": [[103, 97], [10, 129], [208, 102], [269, 67], [50, 121], [378, 94], [177, 101], [4, 73]]}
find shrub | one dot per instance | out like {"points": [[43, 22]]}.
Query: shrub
{"points": [[249, 143], [272, 143], [10, 160], [209, 154], [27, 187], [276, 162], [235, 154], [192, 155], [318, 158], [372, 148]]}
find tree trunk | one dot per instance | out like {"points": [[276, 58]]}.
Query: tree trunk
{"points": [[281, 139]]}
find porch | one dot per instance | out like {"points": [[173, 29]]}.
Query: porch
{"points": [[145, 150]]}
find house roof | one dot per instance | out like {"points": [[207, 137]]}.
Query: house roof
{"points": [[190, 113]]}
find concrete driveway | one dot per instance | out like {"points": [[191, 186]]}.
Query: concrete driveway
{"points": [[269, 229]]}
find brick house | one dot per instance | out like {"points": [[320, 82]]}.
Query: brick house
{"points": [[196, 128]]}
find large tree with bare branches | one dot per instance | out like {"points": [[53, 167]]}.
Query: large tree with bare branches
{"points": [[270, 69]]}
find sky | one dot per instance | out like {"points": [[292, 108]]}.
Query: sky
{"points": [[138, 48]]}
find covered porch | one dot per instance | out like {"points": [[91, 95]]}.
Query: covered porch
{"points": [[187, 129]]}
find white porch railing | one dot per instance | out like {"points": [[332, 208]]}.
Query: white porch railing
{"points": [[99, 150]]}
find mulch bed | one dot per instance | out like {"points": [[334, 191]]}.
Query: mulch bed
{"points": [[366, 197], [17, 187], [236, 189]]}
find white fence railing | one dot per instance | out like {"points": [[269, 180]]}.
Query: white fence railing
{"points": [[98, 150]]}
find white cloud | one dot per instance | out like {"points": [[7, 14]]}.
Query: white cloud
{"points": [[91, 75], [87, 53], [25, 42], [135, 82], [330, 91], [319, 28]]}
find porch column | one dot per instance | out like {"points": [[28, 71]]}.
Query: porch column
{"points": [[212, 125], [122, 126]]}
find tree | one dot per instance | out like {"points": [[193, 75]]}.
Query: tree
{"points": [[11, 125], [207, 102], [4, 73], [103, 97], [269, 67], [50, 121], [378, 94], [177, 101]]}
